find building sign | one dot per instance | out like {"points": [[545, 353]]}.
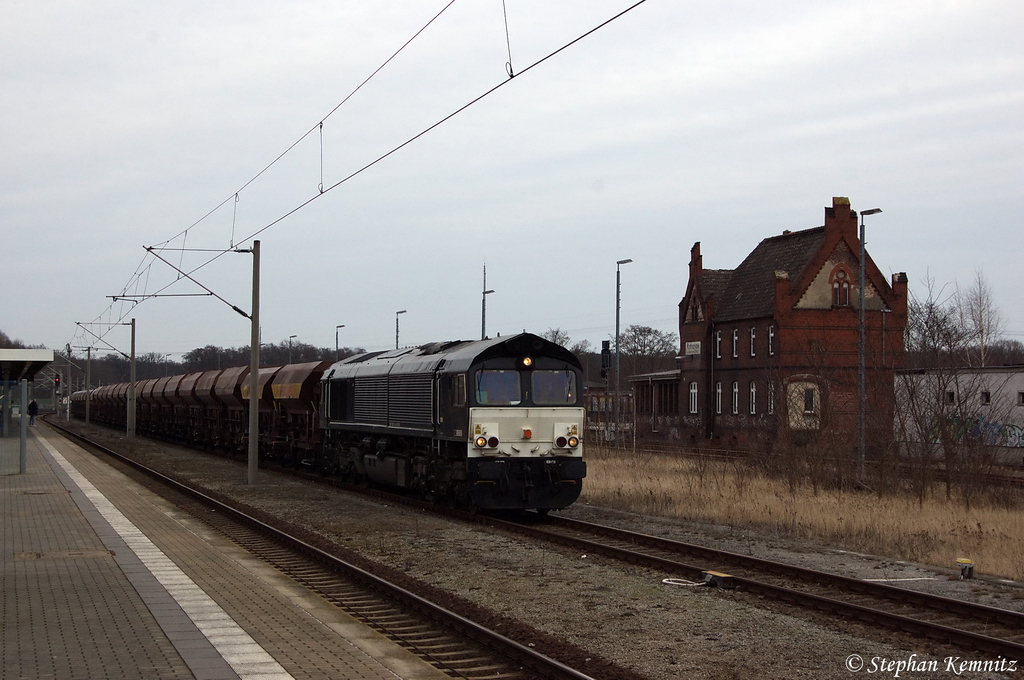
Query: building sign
{"points": [[692, 348]]}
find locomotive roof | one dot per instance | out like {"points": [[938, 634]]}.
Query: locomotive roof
{"points": [[454, 356]]}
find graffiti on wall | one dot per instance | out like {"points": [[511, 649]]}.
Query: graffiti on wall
{"points": [[982, 430]]}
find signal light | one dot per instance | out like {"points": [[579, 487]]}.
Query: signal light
{"points": [[492, 442], [561, 442]]}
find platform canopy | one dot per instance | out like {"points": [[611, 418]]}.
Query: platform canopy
{"points": [[23, 364]]}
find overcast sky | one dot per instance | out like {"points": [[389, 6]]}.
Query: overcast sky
{"points": [[123, 124]]}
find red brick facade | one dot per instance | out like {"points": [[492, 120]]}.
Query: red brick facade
{"points": [[771, 348]]}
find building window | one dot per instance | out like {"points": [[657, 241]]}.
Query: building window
{"points": [[753, 344], [771, 398], [753, 397], [809, 404], [693, 397], [950, 397], [986, 398], [735, 342], [840, 279], [735, 397], [718, 398], [1020, 399], [718, 344], [771, 341]]}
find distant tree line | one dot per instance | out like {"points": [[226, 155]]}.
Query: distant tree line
{"points": [[6, 342], [643, 350]]}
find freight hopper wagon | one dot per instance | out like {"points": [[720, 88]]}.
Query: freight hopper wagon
{"points": [[496, 423]]}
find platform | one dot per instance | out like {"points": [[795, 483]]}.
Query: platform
{"points": [[103, 579]]}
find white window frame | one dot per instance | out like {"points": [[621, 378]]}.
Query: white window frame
{"points": [[693, 397], [735, 397], [718, 398], [735, 343], [771, 341], [753, 397], [753, 343]]}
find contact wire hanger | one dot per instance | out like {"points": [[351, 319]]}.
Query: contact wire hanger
{"points": [[508, 43], [321, 157]]}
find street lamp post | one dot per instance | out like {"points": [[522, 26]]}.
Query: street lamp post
{"points": [[861, 387], [618, 291], [396, 326], [290, 347], [483, 307], [337, 352]]}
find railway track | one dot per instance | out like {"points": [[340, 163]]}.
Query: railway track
{"points": [[452, 643], [955, 622]]}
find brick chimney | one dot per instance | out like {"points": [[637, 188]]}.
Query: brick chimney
{"points": [[839, 218], [696, 262]]}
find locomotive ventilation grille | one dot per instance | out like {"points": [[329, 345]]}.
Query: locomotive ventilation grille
{"points": [[403, 400]]}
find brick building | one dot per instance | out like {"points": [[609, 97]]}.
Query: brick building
{"points": [[770, 349]]}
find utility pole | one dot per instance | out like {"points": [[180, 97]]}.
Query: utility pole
{"points": [[254, 369]]}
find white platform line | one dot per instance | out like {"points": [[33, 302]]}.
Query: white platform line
{"points": [[245, 656]]}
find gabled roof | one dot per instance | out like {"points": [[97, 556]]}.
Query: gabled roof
{"points": [[714, 282], [750, 293]]}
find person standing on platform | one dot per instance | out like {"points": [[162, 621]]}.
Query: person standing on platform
{"points": [[33, 411]]}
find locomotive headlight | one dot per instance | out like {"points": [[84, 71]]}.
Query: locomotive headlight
{"points": [[527, 362], [481, 442], [574, 442]]}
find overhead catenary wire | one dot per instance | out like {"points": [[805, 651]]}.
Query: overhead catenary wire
{"points": [[144, 266], [320, 122], [324, 190]]}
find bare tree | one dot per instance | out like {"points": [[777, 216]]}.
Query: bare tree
{"points": [[944, 402], [645, 350], [980, 317], [560, 337]]}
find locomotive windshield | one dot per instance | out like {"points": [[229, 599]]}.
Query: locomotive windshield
{"points": [[498, 388], [504, 387], [554, 388]]}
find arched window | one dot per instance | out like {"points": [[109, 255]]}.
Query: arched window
{"points": [[840, 280]]}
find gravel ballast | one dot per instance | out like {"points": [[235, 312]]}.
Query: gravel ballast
{"points": [[623, 613]]}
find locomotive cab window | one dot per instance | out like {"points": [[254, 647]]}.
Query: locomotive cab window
{"points": [[458, 389], [498, 388], [551, 388]]}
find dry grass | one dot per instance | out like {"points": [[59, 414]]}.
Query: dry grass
{"points": [[935, 531]]}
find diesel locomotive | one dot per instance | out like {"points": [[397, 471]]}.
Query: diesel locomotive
{"points": [[490, 424]]}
